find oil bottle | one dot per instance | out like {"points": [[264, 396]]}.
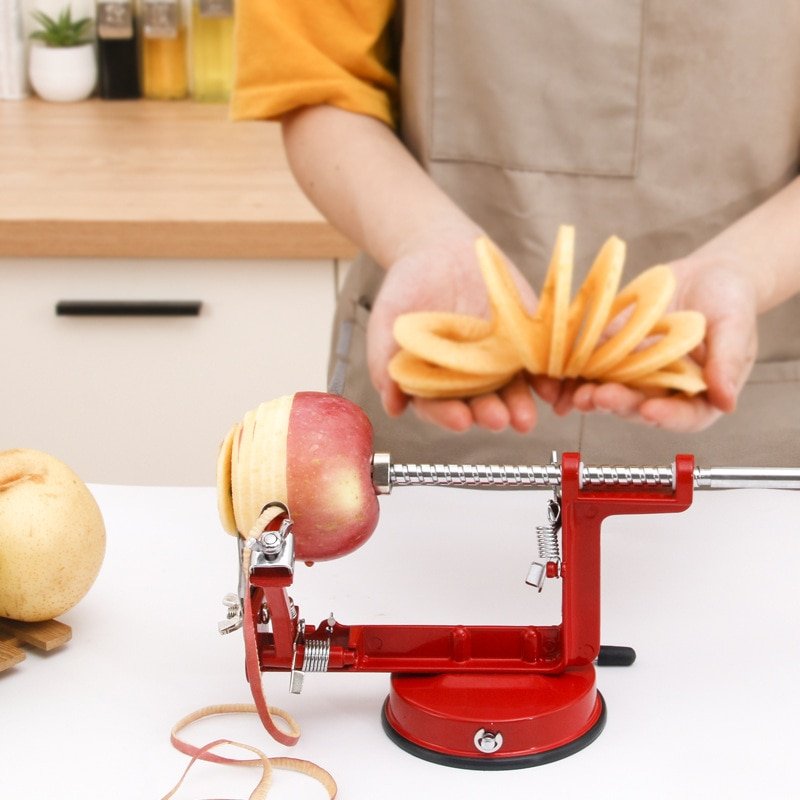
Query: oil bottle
{"points": [[164, 72], [117, 50], [212, 49]]}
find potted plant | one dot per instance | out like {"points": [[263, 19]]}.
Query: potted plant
{"points": [[62, 66]]}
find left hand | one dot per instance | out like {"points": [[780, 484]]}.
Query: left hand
{"points": [[723, 292], [443, 276]]}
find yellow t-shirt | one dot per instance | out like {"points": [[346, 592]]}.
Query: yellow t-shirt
{"points": [[293, 53]]}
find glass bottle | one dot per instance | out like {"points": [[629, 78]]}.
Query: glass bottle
{"points": [[212, 49], [13, 73], [117, 50], [164, 73]]}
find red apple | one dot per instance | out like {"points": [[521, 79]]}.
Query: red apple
{"points": [[329, 475], [313, 452]]}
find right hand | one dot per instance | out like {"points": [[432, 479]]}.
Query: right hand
{"points": [[725, 293], [444, 276]]}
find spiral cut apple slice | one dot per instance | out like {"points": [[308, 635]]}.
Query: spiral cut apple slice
{"points": [[600, 335], [683, 375], [424, 379], [251, 469], [529, 335], [450, 340], [224, 489], [679, 331], [647, 296], [588, 314], [553, 308]]}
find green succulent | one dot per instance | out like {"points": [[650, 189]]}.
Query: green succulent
{"points": [[63, 31]]}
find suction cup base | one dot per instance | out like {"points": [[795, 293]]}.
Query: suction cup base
{"points": [[494, 721]]}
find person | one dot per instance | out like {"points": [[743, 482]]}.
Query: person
{"points": [[417, 126]]}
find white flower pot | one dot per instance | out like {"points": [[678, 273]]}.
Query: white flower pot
{"points": [[62, 74]]}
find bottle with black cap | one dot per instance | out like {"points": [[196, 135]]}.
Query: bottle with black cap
{"points": [[117, 50]]}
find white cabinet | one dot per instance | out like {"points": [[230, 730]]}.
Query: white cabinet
{"points": [[147, 399]]}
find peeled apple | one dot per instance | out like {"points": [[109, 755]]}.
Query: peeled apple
{"points": [[311, 451], [52, 536]]}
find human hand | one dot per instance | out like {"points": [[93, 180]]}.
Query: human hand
{"points": [[723, 292], [444, 276]]}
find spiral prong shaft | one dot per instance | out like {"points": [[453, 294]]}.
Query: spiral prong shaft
{"points": [[387, 475]]}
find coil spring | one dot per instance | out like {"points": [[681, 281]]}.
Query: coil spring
{"points": [[547, 535], [316, 655]]}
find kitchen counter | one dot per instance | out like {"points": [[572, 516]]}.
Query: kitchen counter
{"points": [[708, 710], [138, 201], [148, 179]]}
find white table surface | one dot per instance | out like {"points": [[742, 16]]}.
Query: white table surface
{"points": [[708, 599]]}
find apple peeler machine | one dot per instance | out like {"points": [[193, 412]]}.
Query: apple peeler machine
{"points": [[479, 697]]}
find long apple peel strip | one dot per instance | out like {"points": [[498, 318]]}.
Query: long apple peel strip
{"points": [[205, 753], [266, 713]]}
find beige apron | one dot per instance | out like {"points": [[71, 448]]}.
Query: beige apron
{"points": [[661, 121]]}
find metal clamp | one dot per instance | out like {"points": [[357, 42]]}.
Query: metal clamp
{"points": [[235, 602], [273, 549]]}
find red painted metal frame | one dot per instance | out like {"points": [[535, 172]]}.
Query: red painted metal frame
{"points": [[545, 672], [463, 648]]}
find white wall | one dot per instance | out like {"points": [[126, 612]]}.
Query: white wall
{"points": [[80, 8]]}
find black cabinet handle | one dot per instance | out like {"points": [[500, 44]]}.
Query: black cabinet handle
{"points": [[128, 308]]}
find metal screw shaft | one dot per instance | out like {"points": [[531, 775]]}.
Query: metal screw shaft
{"points": [[387, 475]]}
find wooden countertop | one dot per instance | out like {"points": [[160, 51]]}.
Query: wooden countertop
{"points": [[148, 179]]}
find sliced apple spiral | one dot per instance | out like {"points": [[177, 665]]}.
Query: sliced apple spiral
{"points": [[599, 335]]}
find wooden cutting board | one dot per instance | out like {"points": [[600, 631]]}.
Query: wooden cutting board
{"points": [[47, 635]]}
